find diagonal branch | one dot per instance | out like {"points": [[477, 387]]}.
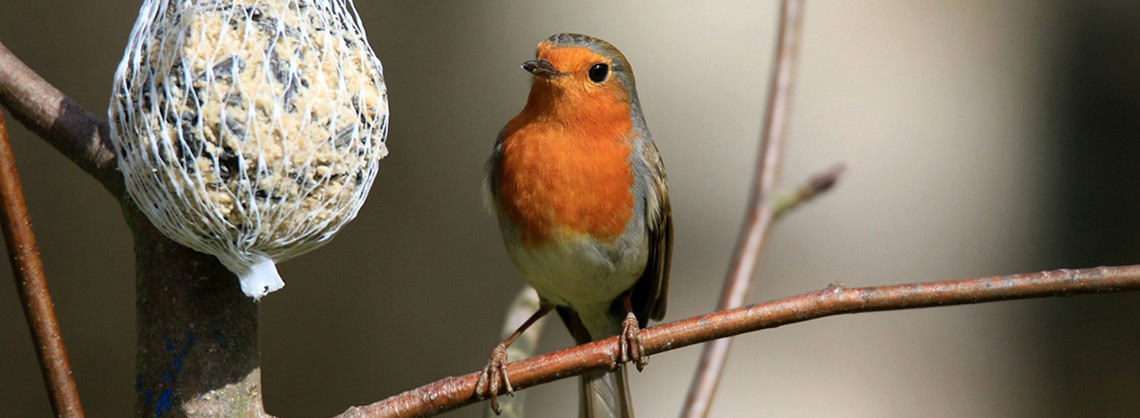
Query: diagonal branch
{"points": [[31, 284], [184, 299], [453, 392], [760, 212], [76, 133]]}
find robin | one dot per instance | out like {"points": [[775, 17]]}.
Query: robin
{"points": [[581, 196]]}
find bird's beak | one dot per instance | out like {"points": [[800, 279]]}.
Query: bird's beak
{"points": [[541, 68]]}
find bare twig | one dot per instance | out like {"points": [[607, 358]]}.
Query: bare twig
{"points": [[28, 271], [76, 133], [454, 392], [785, 201], [760, 213]]}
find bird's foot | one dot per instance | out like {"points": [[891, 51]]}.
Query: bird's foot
{"points": [[494, 377], [631, 348]]}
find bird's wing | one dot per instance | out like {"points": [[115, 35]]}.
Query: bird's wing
{"points": [[649, 294], [490, 182]]}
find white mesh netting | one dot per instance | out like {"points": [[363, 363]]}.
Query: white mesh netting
{"points": [[249, 129]]}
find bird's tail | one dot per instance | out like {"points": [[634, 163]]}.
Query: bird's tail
{"points": [[601, 394], [605, 394]]}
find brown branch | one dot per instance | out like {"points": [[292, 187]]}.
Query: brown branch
{"points": [[76, 133], [184, 299], [28, 271], [454, 392], [759, 216]]}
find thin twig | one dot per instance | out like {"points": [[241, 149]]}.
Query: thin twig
{"points": [[454, 392], [75, 132], [784, 202], [760, 213], [28, 271]]}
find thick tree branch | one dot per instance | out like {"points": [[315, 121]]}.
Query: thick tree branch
{"points": [[76, 133], [31, 284], [760, 212], [454, 392]]}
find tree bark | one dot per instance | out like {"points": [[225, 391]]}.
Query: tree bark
{"points": [[198, 351]]}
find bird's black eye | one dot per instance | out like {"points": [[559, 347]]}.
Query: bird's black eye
{"points": [[599, 72]]}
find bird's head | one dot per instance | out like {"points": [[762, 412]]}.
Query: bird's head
{"points": [[580, 70]]}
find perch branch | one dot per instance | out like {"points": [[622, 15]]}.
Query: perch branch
{"points": [[76, 133], [31, 284], [454, 392], [760, 212]]}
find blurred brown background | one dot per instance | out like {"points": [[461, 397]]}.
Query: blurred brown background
{"points": [[981, 138]]}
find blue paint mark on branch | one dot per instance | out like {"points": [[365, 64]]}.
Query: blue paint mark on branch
{"points": [[166, 400], [164, 403]]}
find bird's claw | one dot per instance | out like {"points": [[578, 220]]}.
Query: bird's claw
{"points": [[494, 377], [631, 348]]}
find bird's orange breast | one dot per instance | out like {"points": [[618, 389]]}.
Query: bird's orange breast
{"points": [[564, 167]]}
